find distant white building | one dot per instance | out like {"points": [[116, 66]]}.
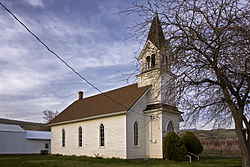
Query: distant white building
{"points": [[128, 122], [16, 140]]}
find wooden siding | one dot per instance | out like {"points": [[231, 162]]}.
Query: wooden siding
{"points": [[115, 138]]}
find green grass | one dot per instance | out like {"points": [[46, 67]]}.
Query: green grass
{"points": [[73, 161]]}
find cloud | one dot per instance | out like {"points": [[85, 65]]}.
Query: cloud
{"points": [[81, 45], [23, 81], [103, 55], [29, 109], [32, 79], [65, 28], [35, 3]]}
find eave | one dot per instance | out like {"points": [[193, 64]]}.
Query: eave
{"points": [[89, 118]]}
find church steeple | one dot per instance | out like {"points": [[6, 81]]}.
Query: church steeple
{"points": [[156, 35], [154, 62], [153, 55]]}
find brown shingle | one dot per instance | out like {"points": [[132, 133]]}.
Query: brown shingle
{"points": [[156, 35], [100, 104]]}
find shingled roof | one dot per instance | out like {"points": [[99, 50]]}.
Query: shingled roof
{"points": [[156, 35], [100, 104]]}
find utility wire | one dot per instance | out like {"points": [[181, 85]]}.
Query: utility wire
{"points": [[63, 61]]}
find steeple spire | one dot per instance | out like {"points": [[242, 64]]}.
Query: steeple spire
{"points": [[156, 35]]}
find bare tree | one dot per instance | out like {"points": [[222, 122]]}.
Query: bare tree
{"points": [[48, 115], [209, 43]]}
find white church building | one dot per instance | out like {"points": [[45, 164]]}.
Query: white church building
{"points": [[128, 122]]}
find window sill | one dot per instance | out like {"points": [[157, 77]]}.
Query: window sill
{"points": [[136, 146], [102, 147]]}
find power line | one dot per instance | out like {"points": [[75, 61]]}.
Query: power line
{"points": [[63, 61]]}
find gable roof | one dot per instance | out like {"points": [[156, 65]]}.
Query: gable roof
{"points": [[101, 104], [156, 35], [26, 125], [11, 128]]}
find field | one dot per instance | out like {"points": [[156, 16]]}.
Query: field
{"points": [[73, 161], [221, 148], [218, 142], [224, 134]]}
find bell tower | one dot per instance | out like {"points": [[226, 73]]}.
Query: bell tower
{"points": [[154, 61]]}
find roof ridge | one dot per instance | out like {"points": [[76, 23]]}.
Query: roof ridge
{"points": [[112, 90], [18, 121], [100, 105]]}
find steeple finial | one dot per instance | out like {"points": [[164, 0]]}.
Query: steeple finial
{"points": [[156, 13], [156, 35]]}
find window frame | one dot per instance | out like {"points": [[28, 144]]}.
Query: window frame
{"points": [[80, 138], [63, 138], [152, 60], [46, 146], [167, 66], [136, 134], [148, 62], [170, 127], [101, 135]]}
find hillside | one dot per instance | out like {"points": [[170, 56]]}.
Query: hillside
{"points": [[213, 134]]}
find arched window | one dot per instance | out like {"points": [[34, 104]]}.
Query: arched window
{"points": [[148, 63], [163, 60], [102, 135], [167, 66], [63, 138], [170, 127], [80, 137], [135, 134], [153, 61]]}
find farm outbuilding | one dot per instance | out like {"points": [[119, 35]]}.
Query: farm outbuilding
{"points": [[15, 140]]}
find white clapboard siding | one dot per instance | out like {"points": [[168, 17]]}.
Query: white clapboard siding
{"points": [[115, 138]]}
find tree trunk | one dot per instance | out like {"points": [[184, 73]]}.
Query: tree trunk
{"points": [[245, 161], [245, 149], [245, 156], [244, 143]]}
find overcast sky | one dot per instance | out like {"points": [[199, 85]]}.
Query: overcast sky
{"points": [[89, 34]]}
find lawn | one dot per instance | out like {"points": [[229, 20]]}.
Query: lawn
{"points": [[73, 161]]}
